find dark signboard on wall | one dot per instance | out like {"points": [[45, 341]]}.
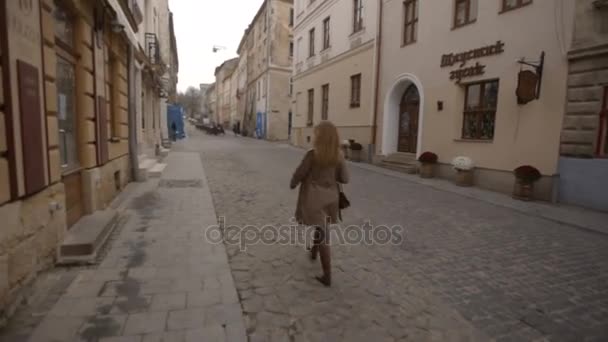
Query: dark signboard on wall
{"points": [[462, 58], [31, 127]]}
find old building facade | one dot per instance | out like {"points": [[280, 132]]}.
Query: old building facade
{"points": [[334, 69], [224, 99], [68, 124], [448, 76], [584, 144], [157, 78], [266, 47]]}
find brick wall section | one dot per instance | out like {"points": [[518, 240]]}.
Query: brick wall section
{"points": [[585, 91]]}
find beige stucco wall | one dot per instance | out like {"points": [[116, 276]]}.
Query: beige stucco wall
{"points": [[348, 54], [337, 73], [279, 103], [524, 134]]}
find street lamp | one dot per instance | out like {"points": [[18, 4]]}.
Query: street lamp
{"points": [[216, 48]]}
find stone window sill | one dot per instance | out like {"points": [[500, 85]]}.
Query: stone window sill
{"points": [[483, 141]]}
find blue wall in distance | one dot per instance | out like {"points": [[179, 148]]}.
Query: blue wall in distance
{"points": [[584, 182]]}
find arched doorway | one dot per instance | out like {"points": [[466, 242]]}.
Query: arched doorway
{"points": [[404, 84], [409, 109]]}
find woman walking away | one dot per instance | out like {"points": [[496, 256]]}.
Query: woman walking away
{"points": [[318, 175]]}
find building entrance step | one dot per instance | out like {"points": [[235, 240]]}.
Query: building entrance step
{"points": [[84, 240]]}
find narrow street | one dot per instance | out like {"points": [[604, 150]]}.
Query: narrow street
{"points": [[466, 269]]}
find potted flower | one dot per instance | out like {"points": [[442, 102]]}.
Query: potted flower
{"points": [[464, 170], [427, 164], [525, 177], [355, 151]]}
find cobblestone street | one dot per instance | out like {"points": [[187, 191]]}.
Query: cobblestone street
{"points": [[466, 269]]}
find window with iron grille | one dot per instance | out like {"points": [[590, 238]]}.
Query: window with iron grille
{"points": [[465, 12], [355, 91], [311, 107], [481, 100], [326, 35], [358, 15], [410, 21], [325, 102]]}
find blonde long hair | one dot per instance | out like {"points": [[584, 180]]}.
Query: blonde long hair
{"points": [[326, 144]]}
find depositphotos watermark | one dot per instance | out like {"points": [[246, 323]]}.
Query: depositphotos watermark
{"points": [[296, 234]]}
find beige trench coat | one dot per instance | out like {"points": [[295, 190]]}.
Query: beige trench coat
{"points": [[319, 193]]}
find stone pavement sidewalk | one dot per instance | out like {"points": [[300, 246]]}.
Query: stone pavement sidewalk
{"points": [[577, 217], [161, 280]]}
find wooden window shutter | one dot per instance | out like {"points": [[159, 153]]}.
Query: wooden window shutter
{"points": [[32, 134]]}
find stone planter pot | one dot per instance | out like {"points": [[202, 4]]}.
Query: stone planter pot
{"points": [[355, 155], [464, 177], [427, 170], [523, 191]]}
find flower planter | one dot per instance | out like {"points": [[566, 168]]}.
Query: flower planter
{"points": [[464, 177], [427, 170], [523, 190]]}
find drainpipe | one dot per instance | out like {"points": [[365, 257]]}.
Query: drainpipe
{"points": [[269, 57], [376, 78], [132, 119]]}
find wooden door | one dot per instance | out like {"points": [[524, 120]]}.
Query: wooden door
{"points": [[408, 120], [73, 201]]}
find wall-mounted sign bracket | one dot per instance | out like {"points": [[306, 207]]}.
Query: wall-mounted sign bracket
{"points": [[538, 68]]}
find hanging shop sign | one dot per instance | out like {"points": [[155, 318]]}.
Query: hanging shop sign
{"points": [[462, 58], [529, 81]]}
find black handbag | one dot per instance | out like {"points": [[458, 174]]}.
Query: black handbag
{"points": [[343, 201]]}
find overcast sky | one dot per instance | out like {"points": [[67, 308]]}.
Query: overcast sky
{"points": [[200, 24]]}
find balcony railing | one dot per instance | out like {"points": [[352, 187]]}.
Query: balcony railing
{"points": [[153, 49]]}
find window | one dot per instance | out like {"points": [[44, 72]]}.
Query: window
{"points": [[325, 102], [291, 49], [290, 86], [326, 40], [355, 91], [602, 148], [358, 15], [508, 5], [291, 17], [311, 43], [465, 12], [66, 88], [311, 106], [410, 21], [481, 100], [265, 20]]}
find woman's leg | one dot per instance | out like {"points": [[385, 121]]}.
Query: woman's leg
{"points": [[316, 240], [324, 250]]}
